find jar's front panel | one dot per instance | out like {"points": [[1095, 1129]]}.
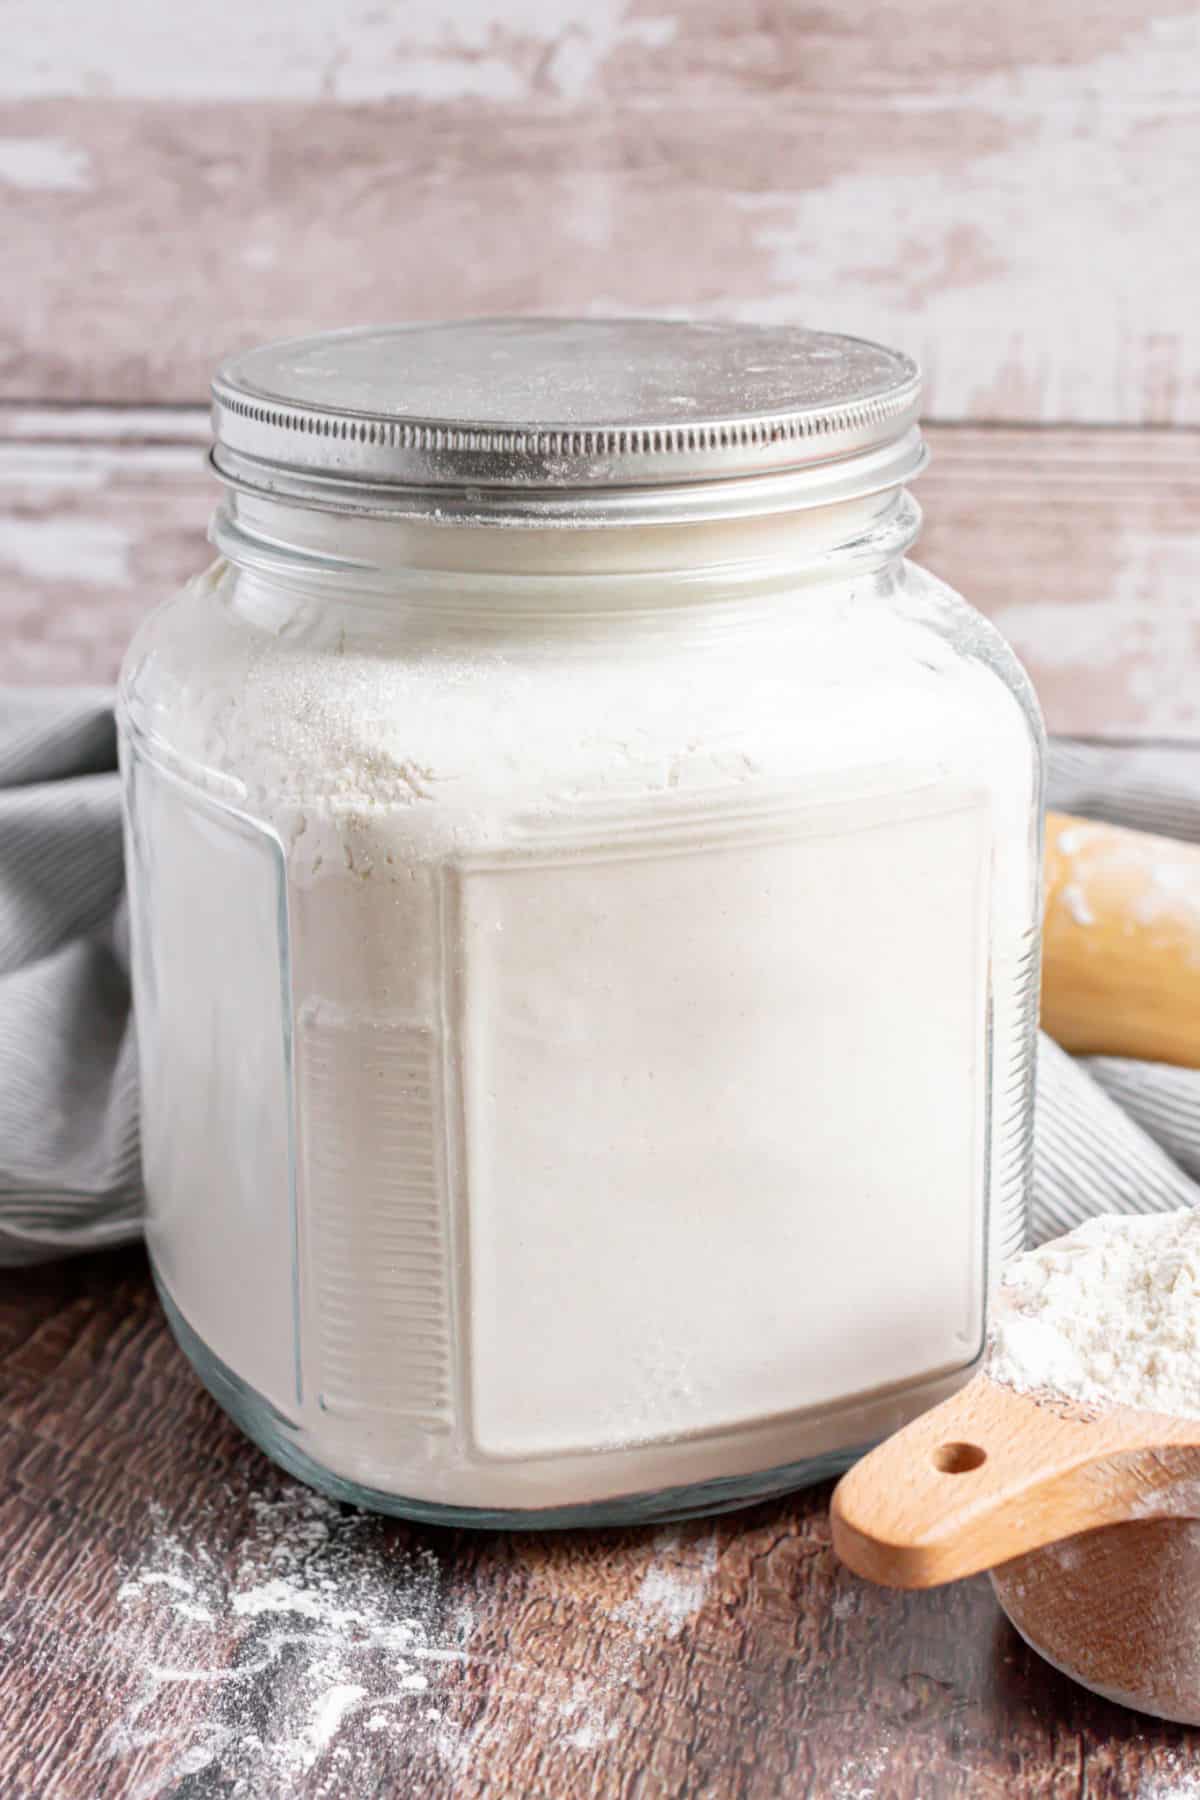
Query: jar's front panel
{"points": [[723, 1099]]}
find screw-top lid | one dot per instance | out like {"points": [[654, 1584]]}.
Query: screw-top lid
{"points": [[582, 420]]}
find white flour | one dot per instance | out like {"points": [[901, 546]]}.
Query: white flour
{"points": [[669, 1596], [315, 1652], [1109, 1314], [341, 1636], [1178, 1780], [1101, 861]]}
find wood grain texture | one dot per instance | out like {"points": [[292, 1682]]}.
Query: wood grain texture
{"points": [[1081, 545], [1012, 199], [723, 1659]]}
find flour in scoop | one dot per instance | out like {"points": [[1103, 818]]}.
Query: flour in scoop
{"points": [[1109, 1314]]}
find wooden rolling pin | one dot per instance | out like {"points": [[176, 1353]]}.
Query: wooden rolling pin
{"points": [[1121, 948]]}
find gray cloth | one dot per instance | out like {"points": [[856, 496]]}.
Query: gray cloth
{"points": [[1111, 1135], [69, 1177]]}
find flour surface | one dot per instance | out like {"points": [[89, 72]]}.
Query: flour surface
{"points": [[1109, 1314]]}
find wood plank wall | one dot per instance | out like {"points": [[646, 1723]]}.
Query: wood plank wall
{"points": [[1008, 192]]}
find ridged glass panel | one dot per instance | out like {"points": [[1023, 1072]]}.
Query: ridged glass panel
{"points": [[1012, 1141], [374, 1218]]}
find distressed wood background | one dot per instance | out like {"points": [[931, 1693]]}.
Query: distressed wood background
{"points": [[1008, 192]]}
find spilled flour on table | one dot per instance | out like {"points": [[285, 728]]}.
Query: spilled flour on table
{"points": [[860, 1778], [320, 1631], [1179, 1779], [671, 1592], [323, 1654]]}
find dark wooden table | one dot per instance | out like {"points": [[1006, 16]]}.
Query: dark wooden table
{"points": [[176, 1618]]}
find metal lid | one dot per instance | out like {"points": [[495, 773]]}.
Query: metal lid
{"points": [[583, 420]]}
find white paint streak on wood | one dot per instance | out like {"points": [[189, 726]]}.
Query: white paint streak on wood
{"points": [[1142, 637], [94, 552], [77, 465], [44, 164], [360, 50], [1047, 273], [104, 425], [489, 50]]}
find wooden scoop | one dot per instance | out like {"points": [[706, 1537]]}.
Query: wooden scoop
{"points": [[991, 1474], [1088, 1522]]}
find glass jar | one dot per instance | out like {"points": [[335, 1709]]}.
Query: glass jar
{"points": [[585, 894]]}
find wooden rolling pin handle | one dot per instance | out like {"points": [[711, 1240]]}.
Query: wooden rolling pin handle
{"points": [[1121, 942], [991, 1474]]}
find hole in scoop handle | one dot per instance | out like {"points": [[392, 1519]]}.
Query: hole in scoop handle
{"points": [[990, 1474], [958, 1459]]}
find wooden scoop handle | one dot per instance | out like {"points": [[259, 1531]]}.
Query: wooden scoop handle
{"points": [[990, 1474], [1121, 942]]}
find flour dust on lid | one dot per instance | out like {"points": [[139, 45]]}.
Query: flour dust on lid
{"points": [[591, 420]]}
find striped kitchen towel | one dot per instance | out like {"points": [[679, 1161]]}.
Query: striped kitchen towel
{"points": [[69, 1177], [1112, 1135]]}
